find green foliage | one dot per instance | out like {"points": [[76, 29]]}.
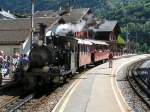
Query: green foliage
{"points": [[134, 17], [120, 40]]}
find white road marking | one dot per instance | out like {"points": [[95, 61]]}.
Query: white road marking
{"points": [[67, 94], [68, 97], [114, 90]]}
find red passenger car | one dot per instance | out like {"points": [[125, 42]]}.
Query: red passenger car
{"points": [[84, 52], [100, 51]]}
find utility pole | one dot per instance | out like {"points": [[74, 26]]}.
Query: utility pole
{"points": [[32, 22], [136, 39]]}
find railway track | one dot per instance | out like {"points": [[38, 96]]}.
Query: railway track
{"points": [[26, 103], [139, 86], [30, 102], [33, 104], [11, 97], [11, 103], [17, 103]]}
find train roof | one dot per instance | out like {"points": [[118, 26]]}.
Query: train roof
{"points": [[98, 42], [83, 41]]}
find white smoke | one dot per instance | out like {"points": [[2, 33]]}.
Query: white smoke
{"points": [[64, 29]]}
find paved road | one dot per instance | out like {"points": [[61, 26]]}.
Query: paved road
{"points": [[95, 91]]}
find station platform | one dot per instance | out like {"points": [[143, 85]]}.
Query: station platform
{"points": [[96, 90]]}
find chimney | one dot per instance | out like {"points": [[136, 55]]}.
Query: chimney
{"points": [[42, 32]]}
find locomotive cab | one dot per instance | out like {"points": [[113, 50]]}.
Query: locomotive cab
{"points": [[66, 50]]}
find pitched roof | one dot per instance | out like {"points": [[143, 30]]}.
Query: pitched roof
{"points": [[75, 15], [72, 15], [16, 31], [107, 26]]}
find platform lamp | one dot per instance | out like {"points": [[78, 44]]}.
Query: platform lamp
{"points": [[32, 21]]}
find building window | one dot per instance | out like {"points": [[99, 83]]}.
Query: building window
{"points": [[16, 50]]}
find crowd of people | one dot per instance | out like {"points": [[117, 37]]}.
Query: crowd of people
{"points": [[8, 64]]}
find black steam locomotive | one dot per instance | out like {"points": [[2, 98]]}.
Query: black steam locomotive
{"points": [[50, 62]]}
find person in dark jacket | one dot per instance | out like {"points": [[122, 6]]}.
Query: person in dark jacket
{"points": [[23, 61], [110, 60]]}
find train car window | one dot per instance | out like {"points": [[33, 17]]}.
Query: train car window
{"points": [[16, 50], [83, 49], [79, 48], [72, 46], [86, 49], [68, 45]]}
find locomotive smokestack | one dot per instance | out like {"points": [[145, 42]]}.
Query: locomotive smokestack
{"points": [[42, 32]]}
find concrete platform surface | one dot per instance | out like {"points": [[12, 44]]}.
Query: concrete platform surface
{"points": [[95, 90]]}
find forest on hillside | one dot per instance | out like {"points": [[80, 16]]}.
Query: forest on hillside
{"points": [[134, 18], [133, 15]]}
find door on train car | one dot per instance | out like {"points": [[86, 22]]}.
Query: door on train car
{"points": [[73, 56]]}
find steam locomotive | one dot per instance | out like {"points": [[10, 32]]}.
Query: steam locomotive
{"points": [[49, 63]]}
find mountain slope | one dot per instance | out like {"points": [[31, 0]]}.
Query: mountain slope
{"points": [[24, 5]]}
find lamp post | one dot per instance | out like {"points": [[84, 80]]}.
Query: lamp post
{"points": [[32, 22], [128, 42]]}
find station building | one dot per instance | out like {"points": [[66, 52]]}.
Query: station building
{"points": [[15, 34]]}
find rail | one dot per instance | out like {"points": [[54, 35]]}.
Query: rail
{"points": [[137, 84], [15, 103]]}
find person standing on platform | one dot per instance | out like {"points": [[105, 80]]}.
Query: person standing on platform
{"points": [[110, 60]]}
